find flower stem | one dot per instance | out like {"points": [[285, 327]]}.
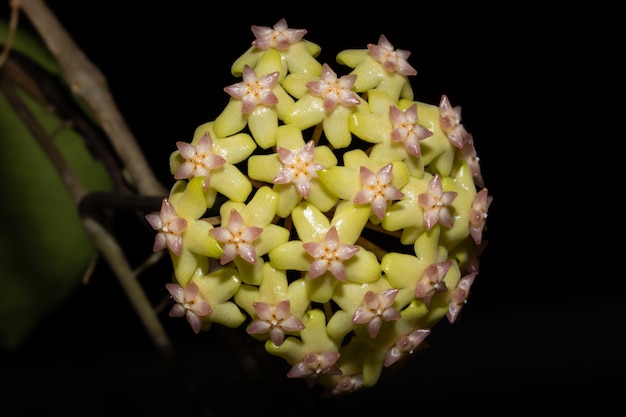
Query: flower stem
{"points": [[87, 82]]}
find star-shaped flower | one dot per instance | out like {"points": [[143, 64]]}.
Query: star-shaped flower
{"points": [[280, 36], [313, 357], [298, 167], [377, 190], [376, 308], [345, 385], [363, 308], [218, 287], [404, 271], [275, 320], [276, 306], [203, 155], [406, 130], [237, 239], [254, 90], [326, 249], [329, 255], [293, 171], [330, 101], [315, 364], [471, 157], [432, 281], [392, 60], [365, 181], [405, 345], [334, 91], [380, 67], [247, 233], [297, 53], [478, 214], [189, 304], [169, 226], [393, 128], [450, 119], [199, 160], [458, 296], [183, 231], [408, 215], [435, 203], [258, 101]]}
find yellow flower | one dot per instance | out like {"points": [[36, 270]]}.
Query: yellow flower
{"points": [[326, 250], [247, 233], [293, 171]]}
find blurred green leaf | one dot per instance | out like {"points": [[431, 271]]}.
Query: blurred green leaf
{"points": [[44, 251]]}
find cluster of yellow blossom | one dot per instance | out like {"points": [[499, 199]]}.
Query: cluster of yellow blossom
{"points": [[335, 216]]}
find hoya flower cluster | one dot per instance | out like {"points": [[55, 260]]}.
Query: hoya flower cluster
{"points": [[334, 216]]}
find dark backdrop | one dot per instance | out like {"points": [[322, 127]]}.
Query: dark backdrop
{"points": [[538, 331]]}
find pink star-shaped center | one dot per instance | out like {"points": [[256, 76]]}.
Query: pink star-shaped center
{"points": [[279, 37], [199, 160], [435, 203], [376, 309], [406, 130], [334, 91], [170, 228], [274, 319], [377, 189], [329, 255], [298, 168], [254, 90], [393, 60], [237, 239]]}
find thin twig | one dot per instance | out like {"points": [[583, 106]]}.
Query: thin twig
{"points": [[71, 181], [112, 252], [49, 91], [88, 83], [15, 13]]}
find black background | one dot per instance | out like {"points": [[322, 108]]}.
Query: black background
{"points": [[539, 330]]}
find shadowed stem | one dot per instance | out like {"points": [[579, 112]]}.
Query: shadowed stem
{"points": [[88, 84]]}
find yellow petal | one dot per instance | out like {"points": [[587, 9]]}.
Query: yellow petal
{"points": [[290, 137], [263, 122], [272, 236], [261, 208], [191, 203], [270, 61], [295, 84], [373, 128], [187, 265], [362, 267], [336, 127], [235, 148], [310, 222], [342, 181], [300, 58], [290, 256], [288, 198], [264, 167], [352, 57], [350, 219], [250, 58], [306, 112], [228, 180], [197, 239], [231, 120]]}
